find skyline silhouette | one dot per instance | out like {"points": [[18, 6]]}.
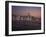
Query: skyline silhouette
{"points": [[26, 18]]}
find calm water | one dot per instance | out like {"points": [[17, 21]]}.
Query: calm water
{"points": [[26, 25]]}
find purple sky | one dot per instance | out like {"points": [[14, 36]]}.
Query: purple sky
{"points": [[24, 10]]}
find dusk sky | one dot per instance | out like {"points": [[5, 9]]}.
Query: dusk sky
{"points": [[24, 10]]}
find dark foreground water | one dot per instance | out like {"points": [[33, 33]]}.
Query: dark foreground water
{"points": [[25, 25]]}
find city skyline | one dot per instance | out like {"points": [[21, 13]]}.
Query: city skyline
{"points": [[26, 18]]}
